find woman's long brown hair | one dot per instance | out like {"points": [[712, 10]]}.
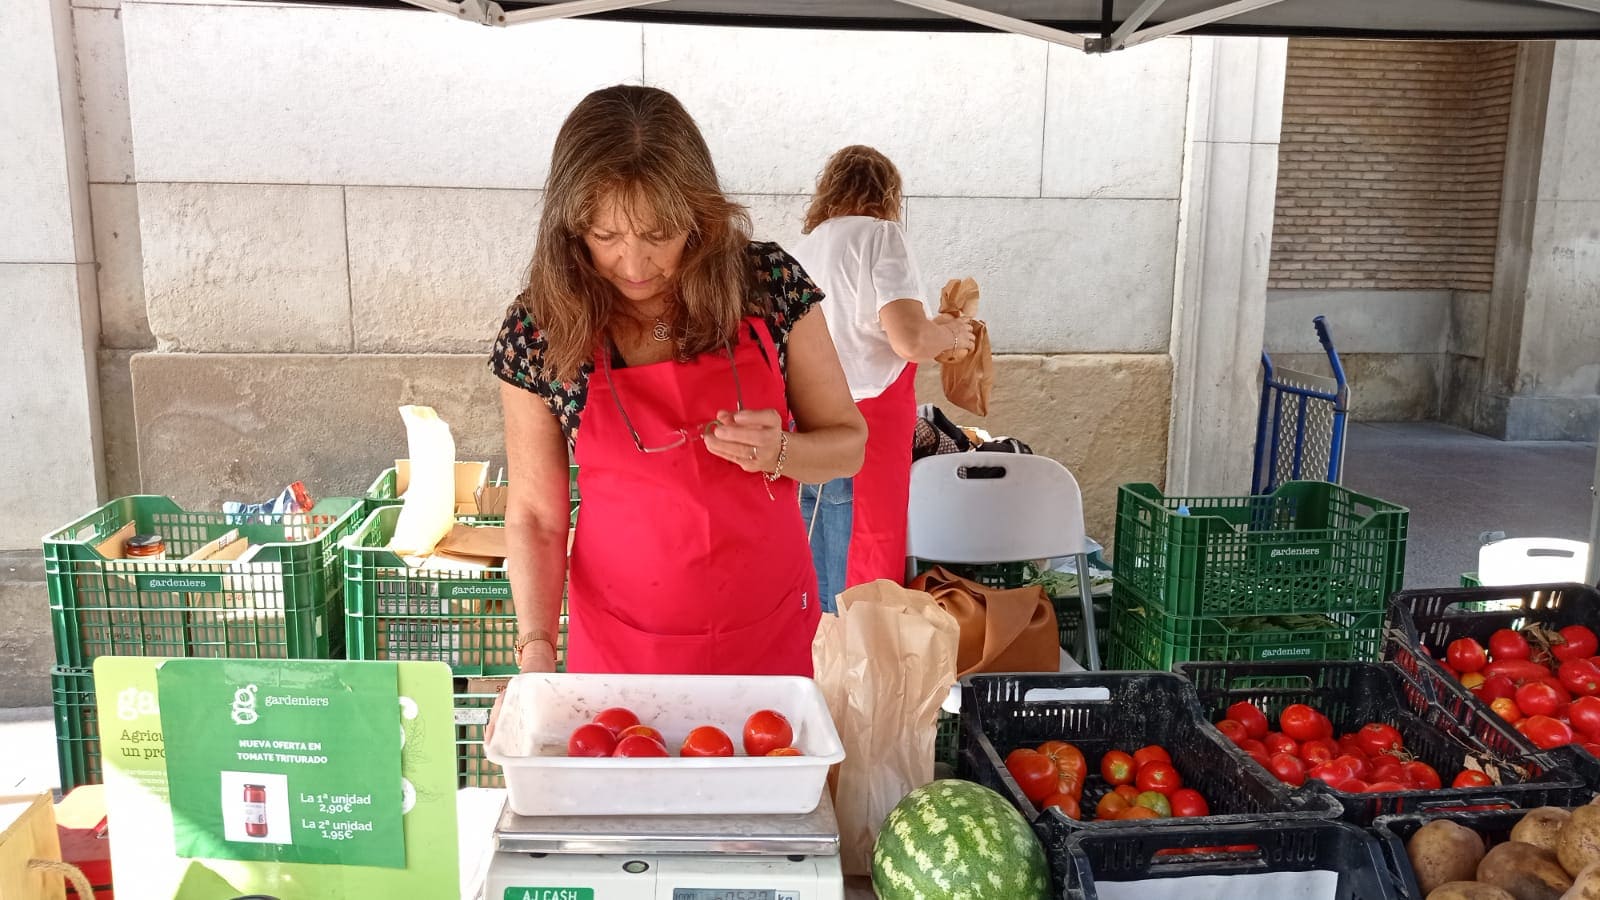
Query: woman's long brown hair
{"points": [[856, 181], [638, 145]]}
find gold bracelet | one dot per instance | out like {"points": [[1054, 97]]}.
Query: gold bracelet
{"points": [[521, 641], [783, 456]]}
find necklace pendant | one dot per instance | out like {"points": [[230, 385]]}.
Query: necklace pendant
{"points": [[661, 332]]}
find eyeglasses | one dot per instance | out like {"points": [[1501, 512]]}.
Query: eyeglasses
{"points": [[681, 434]]}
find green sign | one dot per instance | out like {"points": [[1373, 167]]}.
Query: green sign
{"points": [[549, 893], [166, 582], [285, 761]]}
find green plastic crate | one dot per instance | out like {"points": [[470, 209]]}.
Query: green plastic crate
{"points": [[283, 604], [384, 492], [1144, 636], [396, 612], [473, 768], [77, 727], [1308, 547]]}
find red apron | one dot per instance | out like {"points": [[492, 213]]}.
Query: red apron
{"points": [[683, 563], [882, 489]]}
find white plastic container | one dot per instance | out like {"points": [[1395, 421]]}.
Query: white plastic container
{"points": [[540, 712]]}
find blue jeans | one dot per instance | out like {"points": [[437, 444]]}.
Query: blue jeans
{"points": [[830, 535]]}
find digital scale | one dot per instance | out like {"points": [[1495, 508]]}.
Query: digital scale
{"points": [[715, 857]]}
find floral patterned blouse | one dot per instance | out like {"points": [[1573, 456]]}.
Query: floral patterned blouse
{"points": [[518, 355]]}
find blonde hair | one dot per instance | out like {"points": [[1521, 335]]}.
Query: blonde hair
{"points": [[639, 146], [856, 181]]}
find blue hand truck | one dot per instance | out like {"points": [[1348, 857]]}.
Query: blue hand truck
{"points": [[1300, 429]]}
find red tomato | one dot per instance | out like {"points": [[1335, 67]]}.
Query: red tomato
{"points": [[1563, 695], [1580, 676], [1299, 722], [1288, 768], [1150, 754], [1584, 713], [1377, 738], [1506, 708], [1116, 767], [1391, 769], [1545, 732], [1590, 747], [1110, 805], [1350, 745], [1360, 765], [591, 740], [1508, 644], [1576, 642], [616, 719], [639, 745], [1319, 750], [766, 730], [1257, 752], [1518, 670], [1466, 655], [1159, 777], [1422, 776], [1496, 686], [642, 731], [1067, 803], [1324, 726], [1469, 778], [1233, 731], [1333, 772], [785, 751], [1155, 800], [707, 741], [1538, 699], [1071, 767], [1251, 717], [1035, 773], [1353, 786], [1277, 742], [1138, 812], [1188, 802], [1128, 792], [1385, 787]]}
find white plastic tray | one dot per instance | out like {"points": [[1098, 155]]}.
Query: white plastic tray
{"points": [[540, 712]]}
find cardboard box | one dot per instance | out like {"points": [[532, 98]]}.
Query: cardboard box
{"points": [[470, 478]]}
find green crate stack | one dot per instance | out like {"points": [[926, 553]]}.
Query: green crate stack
{"points": [[285, 603], [473, 768], [1309, 546], [1301, 573], [77, 726], [384, 492], [397, 612]]}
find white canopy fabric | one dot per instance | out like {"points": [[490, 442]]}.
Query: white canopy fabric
{"points": [[1096, 26]]}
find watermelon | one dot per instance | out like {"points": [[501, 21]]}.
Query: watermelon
{"points": [[956, 840]]}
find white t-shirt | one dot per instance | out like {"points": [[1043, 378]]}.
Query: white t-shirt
{"points": [[861, 264]]}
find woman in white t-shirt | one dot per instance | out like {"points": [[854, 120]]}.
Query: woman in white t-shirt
{"points": [[856, 251]]}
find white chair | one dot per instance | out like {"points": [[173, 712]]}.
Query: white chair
{"points": [[986, 508], [1532, 561]]}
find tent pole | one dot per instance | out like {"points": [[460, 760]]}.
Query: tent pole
{"points": [[999, 22], [1177, 26], [572, 8], [1585, 5], [1132, 23]]}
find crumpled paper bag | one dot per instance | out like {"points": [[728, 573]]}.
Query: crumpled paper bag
{"points": [[884, 665], [429, 511], [969, 379]]}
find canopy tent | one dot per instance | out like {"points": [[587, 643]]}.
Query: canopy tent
{"points": [[1094, 26]]}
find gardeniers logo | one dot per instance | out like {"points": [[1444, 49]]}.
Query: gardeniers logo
{"points": [[1291, 552], [175, 583], [133, 703], [498, 591], [1285, 652], [244, 705]]}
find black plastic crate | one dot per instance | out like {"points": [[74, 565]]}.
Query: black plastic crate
{"points": [[1351, 694], [1421, 624], [1393, 832], [1128, 710], [1244, 847]]}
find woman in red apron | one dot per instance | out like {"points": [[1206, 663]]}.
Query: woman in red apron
{"points": [[680, 366], [856, 251]]}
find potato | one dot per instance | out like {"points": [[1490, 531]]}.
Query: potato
{"points": [[1587, 885], [1468, 890], [1579, 844], [1443, 851], [1541, 827], [1524, 871]]}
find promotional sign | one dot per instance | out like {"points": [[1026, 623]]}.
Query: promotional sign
{"points": [[191, 810]]}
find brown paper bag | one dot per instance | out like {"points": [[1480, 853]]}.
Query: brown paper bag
{"points": [[969, 379], [1001, 630], [884, 664]]}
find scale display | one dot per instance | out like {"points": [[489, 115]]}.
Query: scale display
{"points": [[732, 894]]}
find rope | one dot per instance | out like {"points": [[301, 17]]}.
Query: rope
{"points": [[68, 871]]}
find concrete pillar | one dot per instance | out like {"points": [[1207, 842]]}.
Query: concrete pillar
{"points": [[1224, 245]]}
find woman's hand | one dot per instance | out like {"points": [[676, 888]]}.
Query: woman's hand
{"points": [[748, 438], [961, 337]]}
